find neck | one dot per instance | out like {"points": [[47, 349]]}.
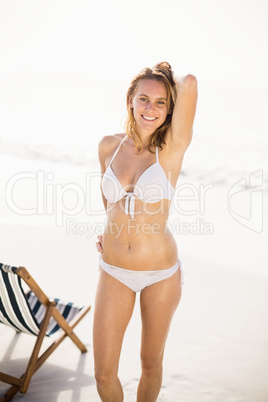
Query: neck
{"points": [[144, 139]]}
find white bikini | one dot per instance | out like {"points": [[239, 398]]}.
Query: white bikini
{"points": [[152, 186]]}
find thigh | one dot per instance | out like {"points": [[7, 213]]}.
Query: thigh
{"points": [[158, 304], [113, 309]]}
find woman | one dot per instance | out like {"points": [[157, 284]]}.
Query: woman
{"points": [[138, 252]]}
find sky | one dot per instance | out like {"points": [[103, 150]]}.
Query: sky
{"points": [[65, 66]]}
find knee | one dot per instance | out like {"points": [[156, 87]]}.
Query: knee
{"points": [[104, 378], [151, 365]]}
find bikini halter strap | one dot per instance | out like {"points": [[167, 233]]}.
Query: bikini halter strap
{"points": [[114, 155], [156, 153]]}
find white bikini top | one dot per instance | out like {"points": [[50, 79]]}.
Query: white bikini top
{"points": [[152, 186]]}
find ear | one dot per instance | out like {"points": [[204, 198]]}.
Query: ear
{"points": [[130, 102], [170, 111]]}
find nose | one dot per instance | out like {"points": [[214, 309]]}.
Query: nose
{"points": [[149, 106]]}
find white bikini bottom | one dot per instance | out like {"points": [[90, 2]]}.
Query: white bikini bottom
{"points": [[138, 280]]}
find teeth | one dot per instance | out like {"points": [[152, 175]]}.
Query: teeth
{"points": [[149, 118]]}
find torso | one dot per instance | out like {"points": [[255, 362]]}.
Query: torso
{"points": [[143, 243]]}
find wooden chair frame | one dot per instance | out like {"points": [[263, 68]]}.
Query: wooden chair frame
{"points": [[21, 384]]}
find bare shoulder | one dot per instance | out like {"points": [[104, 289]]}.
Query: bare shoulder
{"points": [[109, 140], [107, 145]]}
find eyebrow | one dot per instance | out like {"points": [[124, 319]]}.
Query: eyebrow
{"points": [[148, 97]]}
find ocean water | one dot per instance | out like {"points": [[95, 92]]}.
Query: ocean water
{"points": [[218, 157]]}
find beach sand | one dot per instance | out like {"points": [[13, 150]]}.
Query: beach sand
{"points": [[218, 344]]}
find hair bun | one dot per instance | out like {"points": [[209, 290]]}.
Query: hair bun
{"points": [[163, 64], [165, 69]]}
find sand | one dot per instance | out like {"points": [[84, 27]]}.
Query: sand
{"points": [[217, 348]]}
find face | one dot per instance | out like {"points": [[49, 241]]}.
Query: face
{"points": [[149, 105]]}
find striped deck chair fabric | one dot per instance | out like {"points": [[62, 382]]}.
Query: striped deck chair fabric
{"points": [[15, 310], [67, 309], [34, 313]]}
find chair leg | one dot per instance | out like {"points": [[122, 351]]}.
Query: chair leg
{"points": [[75, 321], [9, 393], [61, 338], [68, 328], [31, 368]]}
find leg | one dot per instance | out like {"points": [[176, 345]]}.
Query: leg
{"points": [[114, 306], [158, 304]]}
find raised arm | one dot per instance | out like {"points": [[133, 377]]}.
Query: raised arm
{"points": [[181, 130]]}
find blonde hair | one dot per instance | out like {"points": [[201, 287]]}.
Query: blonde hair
{"points": [[161, 72]]}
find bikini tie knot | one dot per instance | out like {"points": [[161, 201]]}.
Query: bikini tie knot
{"points": [[130, 204]]}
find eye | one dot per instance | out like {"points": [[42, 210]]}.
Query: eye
{"points": [[143, 99]]}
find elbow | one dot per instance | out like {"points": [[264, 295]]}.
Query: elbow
{"points": [[190, 81], [189, 86]]}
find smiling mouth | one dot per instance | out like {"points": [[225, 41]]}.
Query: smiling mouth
{"points": [[148, 118]]}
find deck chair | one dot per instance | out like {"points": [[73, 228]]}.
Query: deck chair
{"points": [[34, 313]]}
